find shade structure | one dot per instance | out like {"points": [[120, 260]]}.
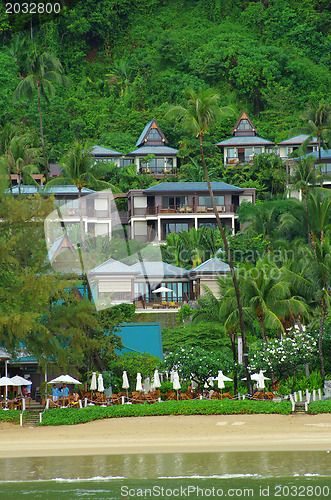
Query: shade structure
{"points": [[221, 379], [17, 381], [125, 384], [209, 383], [93, 385], [176, 383], [156, 379], [64, 379], [5, 381], [147, 384], [260, 380], [100, 383], [138, 384], [162, 289]]}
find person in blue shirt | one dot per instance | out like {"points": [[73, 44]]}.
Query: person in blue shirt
{"points": [[65, 391], [56, 393]]}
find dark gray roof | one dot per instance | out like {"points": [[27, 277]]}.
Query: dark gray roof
{"points": [[158, 270], [143, 133], [325, 154], [191, 187], [49, 190], [101, 151], [210, 267], [153, 150], [248, 140], [112, 266], [297, 139]]}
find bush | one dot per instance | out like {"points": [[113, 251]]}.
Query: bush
{"points": [[70, 416], [10, 416], [319, 407]]}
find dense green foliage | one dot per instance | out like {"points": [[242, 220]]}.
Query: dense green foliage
{"points": [[69, 416], [10, 416]]}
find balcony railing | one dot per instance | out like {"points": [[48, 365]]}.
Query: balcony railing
{"points": [[200, 209], [241, 159], [158, 171]]}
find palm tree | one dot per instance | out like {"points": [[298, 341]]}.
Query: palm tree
{"points": [[22, 160], [199, 115], [79, 168], [43, 70], [304, 177], [318, 118]]}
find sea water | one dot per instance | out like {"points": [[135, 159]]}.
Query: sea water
{"points": [[295, 474]]}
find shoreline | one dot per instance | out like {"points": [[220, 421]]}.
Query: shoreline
{"points": [[170, 434]]}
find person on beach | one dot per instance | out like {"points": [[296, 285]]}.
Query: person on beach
{"points": [[55, 393], [65, 391]]}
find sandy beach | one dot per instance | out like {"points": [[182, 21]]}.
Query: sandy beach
{"points": [[167, 434]]}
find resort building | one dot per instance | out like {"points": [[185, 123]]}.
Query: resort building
{"points": [[105, 154], [244, 143], [171, 207], [288, 146], [324, 164]]}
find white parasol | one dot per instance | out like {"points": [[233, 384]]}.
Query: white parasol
{"points": [[260, 380], [176, 384], [125, 384], [17, 381], [156, 379], [162, 289], [64, 379], [221, 379], [138, 384], [100, 383], [93, 385], [147, 384]]}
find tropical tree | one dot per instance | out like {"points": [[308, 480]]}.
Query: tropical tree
{"points": [[318, 118], [43, 69], [304, 177], [21, 160], [196, 118]]}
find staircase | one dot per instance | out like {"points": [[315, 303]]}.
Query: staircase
{"points": [[32, 413]]}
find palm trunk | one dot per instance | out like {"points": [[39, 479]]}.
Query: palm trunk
{"points": [[233, 274], [234, 352], [261, 323], [42, 135], [319, 146], [81, 222], [307, 217], [320, 339]]}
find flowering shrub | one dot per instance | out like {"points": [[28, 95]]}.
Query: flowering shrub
{"points": [[284, 355]]}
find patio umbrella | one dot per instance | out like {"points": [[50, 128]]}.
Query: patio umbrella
{"points": [[125, 384], [172, 373], [221, 379], [157, 382], [162, 289], [17, 381], [260, 380], [93, 385], [176, 383], [100, 383], [5, 382], [138, 384], [147, 384], [64, 379]]}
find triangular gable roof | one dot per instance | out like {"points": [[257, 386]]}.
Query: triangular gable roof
{"points": [[102, 151], [143, 138], [298, 139], [58, 245], [211, 266], [112, 266], [244, 116], [158, 270]]}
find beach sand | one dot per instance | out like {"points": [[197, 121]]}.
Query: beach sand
{"points": [[168, 434]]}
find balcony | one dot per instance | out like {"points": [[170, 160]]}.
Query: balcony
{"points": [[231, 161], [159, 173], [200, 209]]}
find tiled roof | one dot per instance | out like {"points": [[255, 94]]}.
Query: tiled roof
{"points": [[112, 266], [211, 266], [248, 140], [101, 151], [158, 269], [143, 133], [153, 150], [297, 139], [69, 189], [192, 187]]}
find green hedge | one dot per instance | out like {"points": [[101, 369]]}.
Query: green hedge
{"points": [[319, 407], [69, 416], [10, 416]]}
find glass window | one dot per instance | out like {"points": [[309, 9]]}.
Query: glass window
{"points": [[231, 153], [154, 135], [174, 227], [125, 162], [169, 163], [174, 201], [244, 125], [257, 151], [206, 201]]}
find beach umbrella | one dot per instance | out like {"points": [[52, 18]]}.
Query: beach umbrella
{"points": [[17, 381], [176, 383], [156, 380], [138, 384], [125, 384], [221, 379], [162, 289], [260, 380], [5, 382], [209, 383], [147, 384], [64, 379], [100, 383], [93, 385]]}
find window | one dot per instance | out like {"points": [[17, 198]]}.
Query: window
{"points": [[257, 151], [244, 125], [206, 201], [212, 225], [174, 227], [125, 162], [154, 135], [231, 153], [169, 163], [174, 201]]}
